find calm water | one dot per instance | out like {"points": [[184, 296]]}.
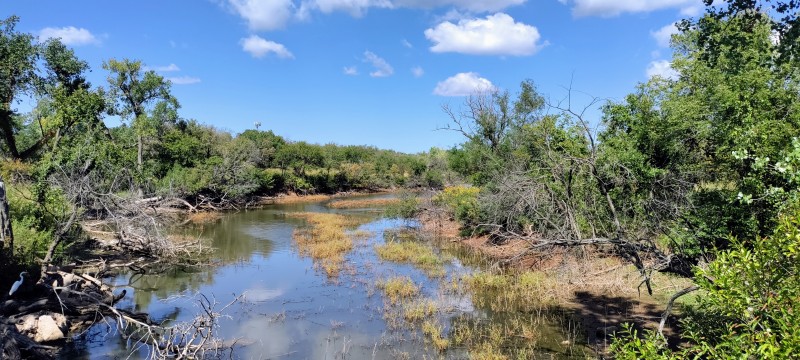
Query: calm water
{"points": [[290, 309]]}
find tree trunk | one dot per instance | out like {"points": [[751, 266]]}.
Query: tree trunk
{"points": [[8, 131], [6, 233], [139, 163]]}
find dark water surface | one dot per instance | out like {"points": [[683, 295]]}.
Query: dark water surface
{"points": [[290, 309]]}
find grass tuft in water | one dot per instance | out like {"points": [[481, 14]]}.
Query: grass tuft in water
{"points": [[415, 253], [325, 239], [398, 288], [362, 203], [433, 333]]}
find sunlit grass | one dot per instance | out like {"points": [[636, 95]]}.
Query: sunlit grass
{"points": [[398, 288], [362, 203], [418, 311], [325, 239], [526, 291], [433, 333], [415, 253]]}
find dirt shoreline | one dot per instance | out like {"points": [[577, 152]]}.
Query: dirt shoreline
{"points": [[597, 287]]}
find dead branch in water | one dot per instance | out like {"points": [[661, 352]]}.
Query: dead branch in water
{"points": [[74, 302]]}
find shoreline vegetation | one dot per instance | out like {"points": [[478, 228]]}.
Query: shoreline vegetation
{"points": [[686, 192]]}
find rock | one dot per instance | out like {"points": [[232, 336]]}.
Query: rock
{"points": [[44, 328], [48, 328], [27, 324]]}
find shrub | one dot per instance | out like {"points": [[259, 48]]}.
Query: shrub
{"points": [[462, 203], [749, 309]]}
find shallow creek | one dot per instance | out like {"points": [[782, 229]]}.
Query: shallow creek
{"points": [[292, 309]]}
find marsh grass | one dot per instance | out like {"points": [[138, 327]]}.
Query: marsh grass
{"points": [[325, 239], [419, 310], [398, 288], [526, 292], [414, 253], [513, 336], [362, 203], [433, 333]]}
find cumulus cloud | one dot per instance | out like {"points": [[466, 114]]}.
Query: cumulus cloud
{"points": [[259, 47], [167, 68], [608, 8], [382, 68], [469, 5], [69, 35], [463, 84], [664, 35], [661, 68], [184, 80], [263, 14], [355, 8], [360, 7], [417, 71], [497, 34], [350, 70]]}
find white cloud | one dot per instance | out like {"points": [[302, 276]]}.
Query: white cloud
{"points": [[407, 44], [69, 35], [463, 84], [664, 35], [353, 7], [168, 68], [360, 7], [497, 34], [184, 80], [350, 70], [259, 47], [469, 5], [382, 68], [661, 68], [417, 71], [608, 8], [264, 14]]}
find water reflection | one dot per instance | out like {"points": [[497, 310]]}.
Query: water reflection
{"points": [[290, 310]]}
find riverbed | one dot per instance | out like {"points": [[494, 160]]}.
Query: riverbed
{"points": [[289, 307]]}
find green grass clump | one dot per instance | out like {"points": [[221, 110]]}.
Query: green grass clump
{"points": [[417, 254], [398, 288]]}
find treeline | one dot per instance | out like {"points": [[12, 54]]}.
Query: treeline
{"points": [[62, 163], [695, 174]]}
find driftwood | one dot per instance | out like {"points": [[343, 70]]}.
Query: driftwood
{"points": [[82, 300], [77, 300]]}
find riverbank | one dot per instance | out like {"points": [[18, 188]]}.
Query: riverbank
{"points": [[598, 287]]}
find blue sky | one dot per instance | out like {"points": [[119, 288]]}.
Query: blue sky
{"points": [[365, 72]]}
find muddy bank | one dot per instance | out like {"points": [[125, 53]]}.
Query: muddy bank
{"points": [[601, 289]]}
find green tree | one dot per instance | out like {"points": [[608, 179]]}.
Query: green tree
{"points": [[18, 57], [142, 98]]}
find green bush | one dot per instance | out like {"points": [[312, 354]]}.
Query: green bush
{"points": [[462, 203], [406, 208], [749, 309]]}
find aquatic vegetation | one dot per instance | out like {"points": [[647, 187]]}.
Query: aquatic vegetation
{"points": [[398, 288], [362, 203], [527, 291], [433, 333], [415, 253], [325, 239], [420, 310]]}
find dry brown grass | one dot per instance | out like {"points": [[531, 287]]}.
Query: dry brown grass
{"points": [[296, 199], [325, 239], [362, 203], [204, 217]]}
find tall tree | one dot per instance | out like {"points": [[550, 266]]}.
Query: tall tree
{"points": [[142, 98], [18, 57]]}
